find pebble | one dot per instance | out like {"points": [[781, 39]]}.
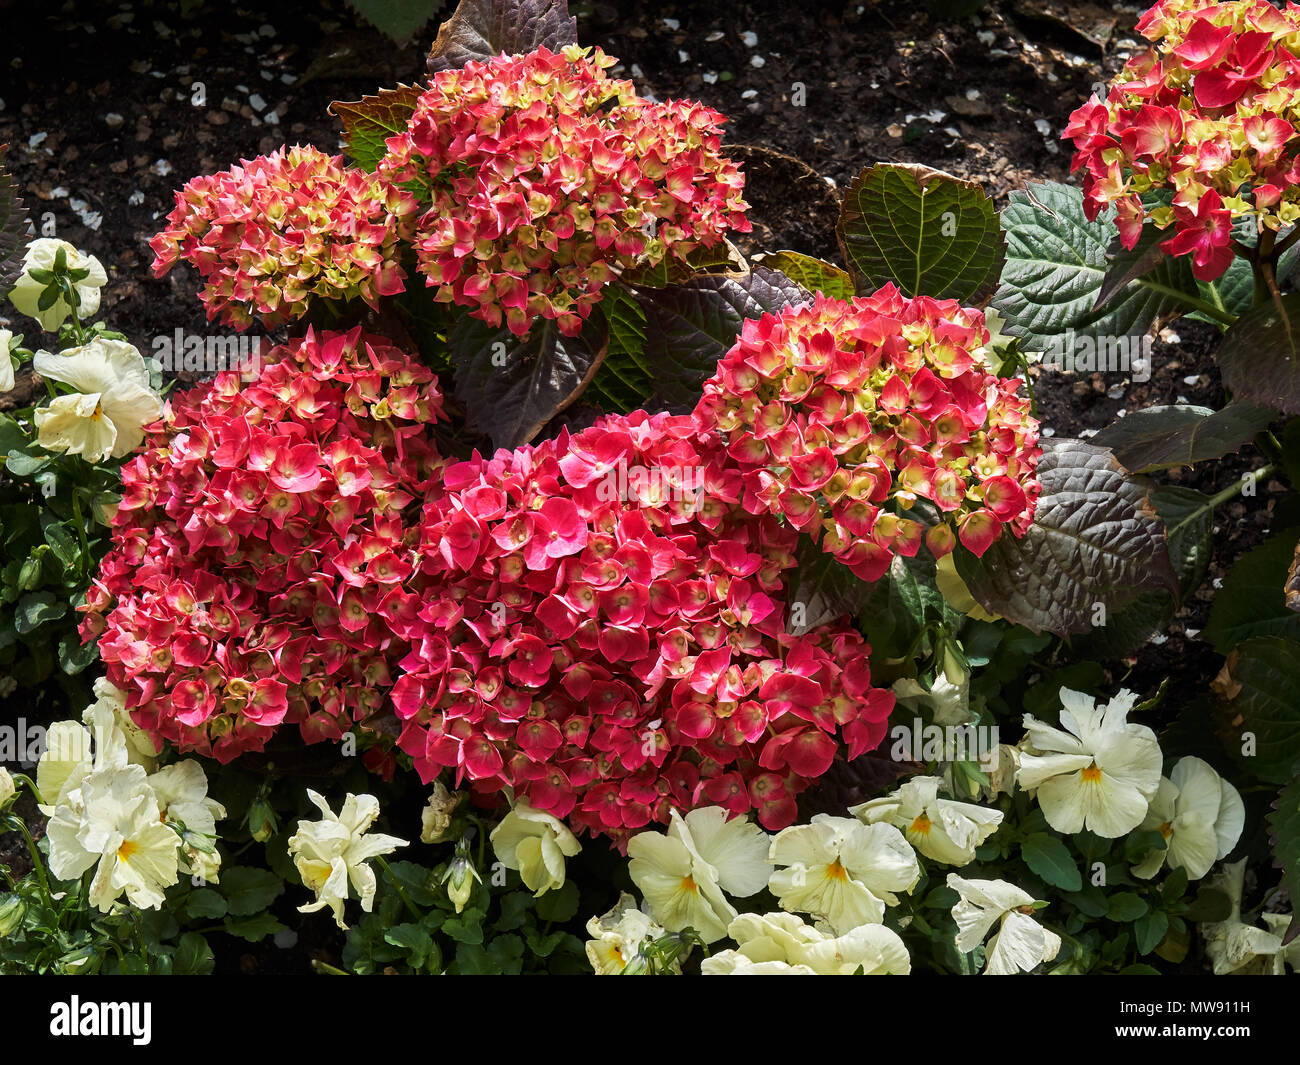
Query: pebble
{"points": [[136, 198], [710, 78], [256, 102], [749, 38], [986, 37], [162, 168], [1116, 392], [757, 61], [1043, 126], [672, 24], [36, 140], [716, 35], [113, 120], [682, 57], [1193, 379], [749, 94], [1085, 433]]}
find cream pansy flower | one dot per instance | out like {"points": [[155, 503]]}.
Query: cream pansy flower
{"points": [[842, 870], [1232, 945], [1021, 943], [618, 935], [7, 787], [6, 363], [683, 875], [182, 793], [26, 294], [942, 829], [140, 749], [106, 416], [781, 944], [1200, 816], [73, 751], [333, 851], [1097, 771], [112, 820], [535, 844]]}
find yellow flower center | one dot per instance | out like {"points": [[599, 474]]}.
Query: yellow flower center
{"points": [[98, 412], [921, 825], [836, 871], [1092, 774], [689, 885], [127, 849], [1166, 830]]}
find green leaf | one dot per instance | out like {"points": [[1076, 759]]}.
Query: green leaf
{"points": [[466, 927], [193, 956], [249, 890], [253, 929], [13, 230], [1284, 836], [559, 904], [36, 608], [1251, 601], [1125, 906], [205, 904], [398, 20], [1139, 969], [815, 275], [1189, 530], [1260, 355], [1159, 438], [1256, 692], [511, 386], [821, 589], [419, 883], [370, 121], [65, 547], [1056, 265], [480, 29], [624, 382], [75, 656], [928, 232], [690, 326], [1210, 905], [415, 941], [1050, 859], [1095, 546], [23, 465]]}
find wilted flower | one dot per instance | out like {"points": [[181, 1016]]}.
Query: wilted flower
{"points": [[842, 870], [1232, 945], [182, 793], [942, 829], [1021, 943], [1200, 816], [26, 294], [780, 944], [335, 850], [618, 935], [535, 844], [105, 417], [1097, 772], [435, 821]]}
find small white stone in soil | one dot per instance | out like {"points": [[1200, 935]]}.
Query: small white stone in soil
{"points": [[716, 35], [672, 24], [757, 61], [256, 102], [1043, 126], [285, 938], [136, 198], [749, 38], [749, 94], [683, 57], [1192, 379], [709, 78], [162, 168], [288, 79], [36, 139]]}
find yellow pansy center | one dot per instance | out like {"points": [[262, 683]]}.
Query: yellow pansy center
{"points": [[688, 884], [127, 849], [921, 825], [835, 871], [1092, 774], [1166, 830]]}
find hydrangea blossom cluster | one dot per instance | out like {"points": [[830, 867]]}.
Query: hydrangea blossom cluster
{"points": [[547, 178], [268, 235], [1209, 114], [843, 415], [605, 634], [259, 552]]}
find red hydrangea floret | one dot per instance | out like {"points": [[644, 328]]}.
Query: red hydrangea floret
{"points": [[260, 552], [548, 178], [270, 234], [1203, 125], [844, 415], [605, 634]]}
